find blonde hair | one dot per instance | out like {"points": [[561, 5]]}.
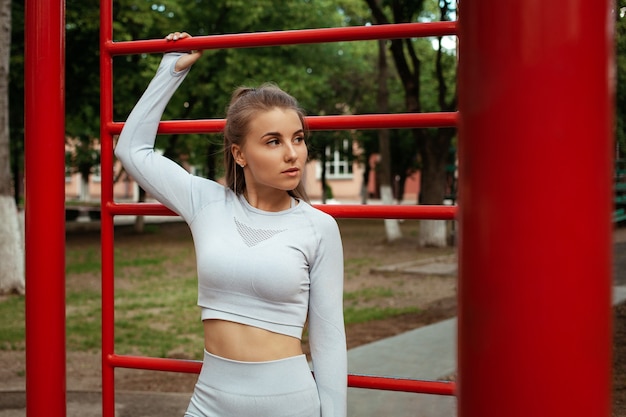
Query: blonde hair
{"points": [[244, 105]]}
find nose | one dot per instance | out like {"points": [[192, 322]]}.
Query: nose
{"points": [[290, 152]]}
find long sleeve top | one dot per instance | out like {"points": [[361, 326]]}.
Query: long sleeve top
{"points": [[272, 270]]}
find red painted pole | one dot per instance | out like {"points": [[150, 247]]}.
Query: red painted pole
{"points": [[106, 223], [45, 211], [535, 135]]}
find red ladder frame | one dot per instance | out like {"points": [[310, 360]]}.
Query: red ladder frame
{"points": [[523, 258]]}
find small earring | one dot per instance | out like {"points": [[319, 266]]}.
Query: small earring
{"points": [[242, 165]]}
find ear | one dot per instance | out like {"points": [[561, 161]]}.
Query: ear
{"points": [[238, 155]]}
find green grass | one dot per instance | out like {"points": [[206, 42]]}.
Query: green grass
{"points": [[362, 315], [368, 294], [354, 266], [82, 261], [12, 332]]}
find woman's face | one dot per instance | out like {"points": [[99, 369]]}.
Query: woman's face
{"points": [[274, 151]]}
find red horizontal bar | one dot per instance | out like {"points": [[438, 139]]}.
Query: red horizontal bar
{"points": [[155, 364], [383, 121], [339, 122], [354, 381], [360, 211], [353, 211], [287, 37], [139, 209], [402, 384]]}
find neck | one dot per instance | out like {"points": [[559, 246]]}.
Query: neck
{"points": [[275, 202]]}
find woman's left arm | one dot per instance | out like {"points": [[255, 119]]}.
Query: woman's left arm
{"points": [[327, 336]]}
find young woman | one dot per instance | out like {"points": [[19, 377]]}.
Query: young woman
{"points": [[267, 261]]}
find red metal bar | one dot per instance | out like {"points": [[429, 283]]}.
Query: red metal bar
{"points": [[155, 364], [535, 136], [354, 381], [362, 121], [45, 207], [106, 224], [354, 211], [402, 384], [287, 37]]}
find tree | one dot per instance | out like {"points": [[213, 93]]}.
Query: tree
{"points": [[11, 248], [433, 144]]}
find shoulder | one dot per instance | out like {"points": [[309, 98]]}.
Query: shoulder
{"points": [[206, 183], [206, 191], [320, 220]]}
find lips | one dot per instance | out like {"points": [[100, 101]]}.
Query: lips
{"points": [[291, 171]]}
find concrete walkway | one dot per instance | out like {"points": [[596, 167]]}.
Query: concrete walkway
{"points": [[427, 353]]}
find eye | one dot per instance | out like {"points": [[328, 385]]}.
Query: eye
{"points": [[299, 139], [273, 142]]}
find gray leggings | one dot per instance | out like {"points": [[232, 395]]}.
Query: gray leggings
{"points": [[281, 388]]}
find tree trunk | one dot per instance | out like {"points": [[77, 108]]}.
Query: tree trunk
{"points": [[11, 248], [433, 233], [140, 220], [84, 188], [323, 178], [408, 66], [365, 182], [392, 228], [434, 150]]}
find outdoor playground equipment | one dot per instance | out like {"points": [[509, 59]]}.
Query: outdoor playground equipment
{"points": [[535, 91]]}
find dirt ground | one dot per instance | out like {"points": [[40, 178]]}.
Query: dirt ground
{"points": [[434, 295]]}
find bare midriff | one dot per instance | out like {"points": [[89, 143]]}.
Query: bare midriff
{"points": [[245, 343]]}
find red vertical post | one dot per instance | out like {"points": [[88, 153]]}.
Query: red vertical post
{"points": [[45, 207], [107, 225], [535, 134]]}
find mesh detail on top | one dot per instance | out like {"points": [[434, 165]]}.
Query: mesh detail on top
{"points": [[253, 237]]}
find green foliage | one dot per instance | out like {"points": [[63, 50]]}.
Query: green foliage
{"points": [[16, 87]]}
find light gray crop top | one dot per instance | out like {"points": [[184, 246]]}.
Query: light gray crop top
{"points": [[271, 270]]}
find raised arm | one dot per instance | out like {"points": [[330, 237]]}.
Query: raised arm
{"points": [[167, 181]]}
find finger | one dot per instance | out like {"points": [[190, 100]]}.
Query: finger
{"points": [[174, 36]]}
